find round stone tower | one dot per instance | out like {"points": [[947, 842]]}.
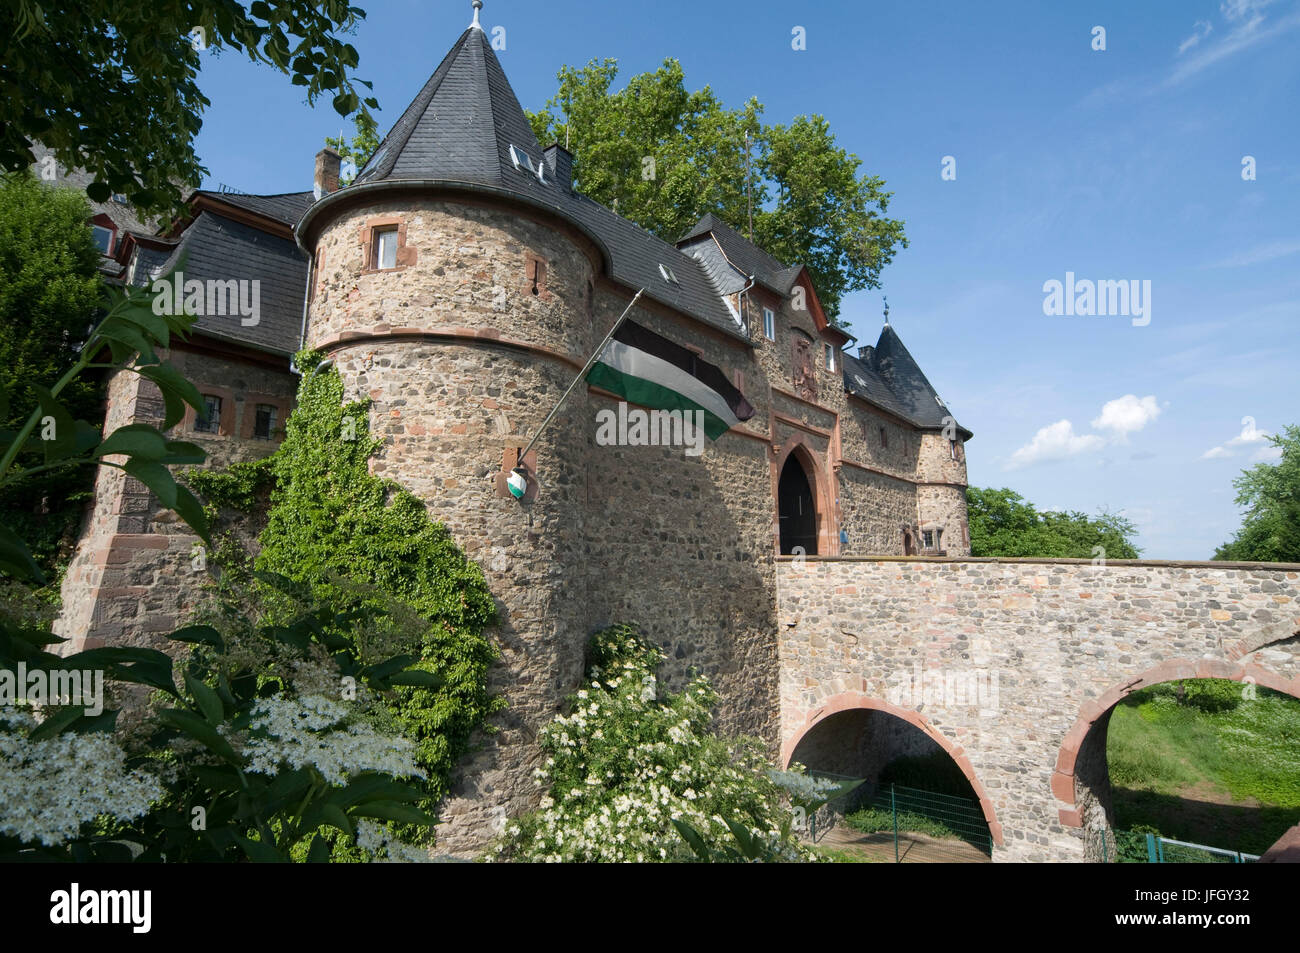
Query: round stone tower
{"points": [[450, 293]]}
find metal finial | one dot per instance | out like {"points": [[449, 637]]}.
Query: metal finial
{"points": [[478, 5], [886, 310]]}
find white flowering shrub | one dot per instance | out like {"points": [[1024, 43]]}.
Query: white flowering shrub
{"points": [[627, 763], [50, 788]]}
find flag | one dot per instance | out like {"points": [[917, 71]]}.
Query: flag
{"points": [[647, 369]]}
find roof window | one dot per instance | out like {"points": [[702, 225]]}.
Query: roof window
{"points": [[668, 275], [523, 161]]}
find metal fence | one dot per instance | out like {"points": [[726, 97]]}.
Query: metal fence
{"points": [[1138, 847], [938, 814]]}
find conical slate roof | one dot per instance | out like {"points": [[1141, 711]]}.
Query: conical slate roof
{"points": [[460, 126], [888, 376]]}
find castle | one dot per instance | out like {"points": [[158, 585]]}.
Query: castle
{"points": [[460, 283]]}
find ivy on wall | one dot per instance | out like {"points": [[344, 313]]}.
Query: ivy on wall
{"points": [[346, 534]]}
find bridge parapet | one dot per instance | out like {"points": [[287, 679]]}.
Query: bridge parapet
{"points": [[1014, 661]]}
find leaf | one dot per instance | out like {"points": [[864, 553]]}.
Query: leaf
{"points": [[259, 852], [319, 852], [745, 838], [200, 635], [191, 511], [176, 391], [693, 840], [157, 478], [98, 192], [207, 700], [418, 678], [201, 732], [16, 559], [139, 441], [393, 811]]}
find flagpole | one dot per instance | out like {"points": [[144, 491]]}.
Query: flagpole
{"points": [[581, 374]]}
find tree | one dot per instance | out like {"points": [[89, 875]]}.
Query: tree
{"points": [[1003, 523], [111, 87], [664, 156], [49, 290], [1270, 530]]}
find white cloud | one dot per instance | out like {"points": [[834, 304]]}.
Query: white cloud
{"points": [[1200, 31], [1248, 30], [1266, 454], [1056, 441], [1249, 434], [1259, 253], [1125, 415]]}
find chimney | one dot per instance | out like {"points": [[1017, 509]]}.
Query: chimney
{"points": [[327, 173], [559, 165], [864, 352]]}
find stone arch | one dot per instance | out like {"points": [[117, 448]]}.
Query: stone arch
{"points": [[1262, 639], [1080, 783], [857, 701], [823, 498]]}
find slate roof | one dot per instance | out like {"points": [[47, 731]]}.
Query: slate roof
{"points": [[460, 129], [744, 254], [222, 249], [888, 376], [286, 207]]}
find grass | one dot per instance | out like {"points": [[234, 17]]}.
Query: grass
{"points": [[873, 820], [1206, 764], [833, 855]]}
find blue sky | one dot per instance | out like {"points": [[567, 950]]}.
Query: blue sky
{"points": [[1115, 164]]}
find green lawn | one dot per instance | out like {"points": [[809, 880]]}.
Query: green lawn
{"points": [[1209, 766]]}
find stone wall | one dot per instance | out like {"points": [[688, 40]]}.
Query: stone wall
{"points": [[1020, 661], [135, 575]]}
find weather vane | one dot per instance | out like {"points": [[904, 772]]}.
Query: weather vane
{"points": [[886, 310], [478, 5]]}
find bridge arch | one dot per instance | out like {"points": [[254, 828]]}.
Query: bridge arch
{"points": [[857, 701], [1081, 783]]}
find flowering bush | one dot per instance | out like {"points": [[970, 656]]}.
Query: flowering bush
{"points": [[625, 764]]}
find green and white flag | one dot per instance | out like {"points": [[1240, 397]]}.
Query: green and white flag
{"points": [[646, 368]]}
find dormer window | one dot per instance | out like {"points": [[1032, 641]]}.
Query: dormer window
{"points": [[668, 275], [769, 324]]}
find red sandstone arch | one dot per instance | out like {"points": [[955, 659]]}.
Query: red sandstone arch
{"points": [[850, 701], [1063, 778], [828, 539]]}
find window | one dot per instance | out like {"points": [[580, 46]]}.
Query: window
{"points": [[264, 422], [830, 357], [210, 419], [103, 238], [385, 248], [668, 275], [522, 161], [952, 448], [769, 324], [927, 538], [884, 439]]}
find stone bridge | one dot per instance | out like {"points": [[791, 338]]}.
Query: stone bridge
{"points": [[1013, 666]]}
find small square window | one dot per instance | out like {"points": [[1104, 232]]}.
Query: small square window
{"points": [[769, 324], [830, 357], [385, 248], [264, 422], [103, 238], [210, 419], [927, 538]]}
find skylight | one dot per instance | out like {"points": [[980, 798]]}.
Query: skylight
{"points": [[668, 275], [524, 162]]}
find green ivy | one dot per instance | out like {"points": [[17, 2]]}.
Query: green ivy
{"points": [[352, 538]]}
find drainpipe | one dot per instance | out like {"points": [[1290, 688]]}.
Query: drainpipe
{"points": [[306, 292], [740, 299]]}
